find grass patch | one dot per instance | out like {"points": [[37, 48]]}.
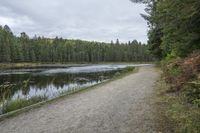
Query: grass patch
{"points": [[175, 114], [21, 103]]}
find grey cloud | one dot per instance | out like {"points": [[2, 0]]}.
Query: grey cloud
{"points": [[102, 20]]}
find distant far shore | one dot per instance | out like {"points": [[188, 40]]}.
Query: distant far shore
{"points": [[58, 64]]}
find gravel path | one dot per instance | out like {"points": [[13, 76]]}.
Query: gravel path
{"points": [[121, 106]]}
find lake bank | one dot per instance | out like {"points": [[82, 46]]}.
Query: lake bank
{"points": [[65, 94]]}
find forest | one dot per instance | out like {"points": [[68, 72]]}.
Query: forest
{"points": [[40, 49], [174, 27]]}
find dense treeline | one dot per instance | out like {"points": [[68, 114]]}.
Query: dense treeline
{"points": [[174, 26], [40, 49]]}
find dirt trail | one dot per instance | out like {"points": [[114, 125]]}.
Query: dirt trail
{"points": [[121, 106]]}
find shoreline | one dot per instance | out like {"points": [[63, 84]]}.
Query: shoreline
{"points": [[64, 95]]}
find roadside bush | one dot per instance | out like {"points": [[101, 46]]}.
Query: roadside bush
{"points": [[128, 69], [171, 56], [184, 74], [192, 92], [172, 73]]}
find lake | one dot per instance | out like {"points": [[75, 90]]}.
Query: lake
{"points": [[49, 83]]}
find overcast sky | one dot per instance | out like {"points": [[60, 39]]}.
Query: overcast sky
{"points": [[99, 20]]}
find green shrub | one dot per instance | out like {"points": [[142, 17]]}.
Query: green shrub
{"points": [[128, 69], [192, 92], [196, 102], [175, 71], [117, 74], [171, 56]]}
